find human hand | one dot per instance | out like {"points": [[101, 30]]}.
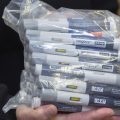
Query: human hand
{"points": [[49, 112]]}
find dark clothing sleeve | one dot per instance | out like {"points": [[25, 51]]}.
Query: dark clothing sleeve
{"points": [[11, 55], [4, 97]]}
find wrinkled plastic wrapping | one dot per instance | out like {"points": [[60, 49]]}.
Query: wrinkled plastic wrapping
{"points": [[17, 10], [71, 57]]}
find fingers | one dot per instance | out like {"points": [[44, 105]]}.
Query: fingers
{"points": [[24, 112], [47, 112], [42, 113], [100, 114]]}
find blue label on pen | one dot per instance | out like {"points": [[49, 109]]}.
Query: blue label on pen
{"points": [[90, 41], [103, 101], [103, 89]]}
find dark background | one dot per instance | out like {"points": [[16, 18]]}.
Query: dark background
{"points": [[11, 49]]}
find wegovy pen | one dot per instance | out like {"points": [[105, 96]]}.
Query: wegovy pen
{"points": [[80, 39], [68, 25], [79, 99], [84, 75], [69, 108], [87, 87], [71, 62]]}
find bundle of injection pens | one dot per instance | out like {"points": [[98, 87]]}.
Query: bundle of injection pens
{"points": [[71, 57]]}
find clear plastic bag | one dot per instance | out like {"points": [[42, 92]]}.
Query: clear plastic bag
{"points": [[11, 14], [71, 57], [16, 11]]}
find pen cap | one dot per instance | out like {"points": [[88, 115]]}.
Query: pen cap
{"points": [[32, 32], [38, 69], [36, 48], [49, 95], [42, 56], [33, 38], [30, 24]]}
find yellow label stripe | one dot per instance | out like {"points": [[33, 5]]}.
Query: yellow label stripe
{"points": [[74, 99], [71, 86], [61, 50]]}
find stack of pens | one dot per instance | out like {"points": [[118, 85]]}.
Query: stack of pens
{"points": [[74, 61], [71, 61]]}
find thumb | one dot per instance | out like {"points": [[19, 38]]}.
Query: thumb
{"points": [[46, 112]]}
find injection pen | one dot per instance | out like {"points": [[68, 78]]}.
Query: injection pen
{"points": [[84, 75], [72, 85], [79, 99], [80, 39], [79, 86], [83, 54], [71, 108], [69, 38], [37, 102], [88, 88], [65, 25], [70, 62]]}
